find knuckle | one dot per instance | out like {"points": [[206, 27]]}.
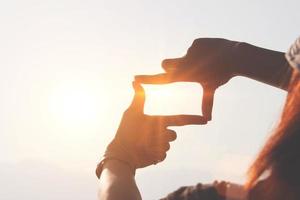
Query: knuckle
{"points": [[167, 146], [196, 41], [164, 63], [163, 156], [174, 136]]}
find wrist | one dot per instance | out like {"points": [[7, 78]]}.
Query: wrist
{"points": [[235, 59], [118, 168], [115, 166], [261, 64], [118, 153]]}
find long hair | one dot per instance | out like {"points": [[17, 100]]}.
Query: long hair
{"points": [[280, 157]]}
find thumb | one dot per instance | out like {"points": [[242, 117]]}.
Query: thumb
{"points": [[138, 101], [207, 102], [172, 64]]}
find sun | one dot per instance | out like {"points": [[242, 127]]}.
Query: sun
{"points": [[73, 103]]}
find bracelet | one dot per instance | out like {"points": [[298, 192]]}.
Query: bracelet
{"points": [[99, 168]]}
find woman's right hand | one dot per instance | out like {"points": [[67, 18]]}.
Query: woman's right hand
{"points": [[209, 61], [143, 140]]}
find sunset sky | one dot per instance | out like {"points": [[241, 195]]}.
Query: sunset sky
{"points": [[66, 69]]}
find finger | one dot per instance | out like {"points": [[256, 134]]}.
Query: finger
{"points": [[181, 120], [170, 135], [166, 147], [160, 148], [161, 157], [138, 101], [158, 154], [155, 79], [207, 102], [172, 64]]}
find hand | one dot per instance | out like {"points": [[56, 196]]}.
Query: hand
{"points": [[142, 140], [208, 62]]}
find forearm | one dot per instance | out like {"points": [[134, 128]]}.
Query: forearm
{"points": [[263, 65], [117, 182]]}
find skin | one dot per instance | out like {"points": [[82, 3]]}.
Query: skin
{"points": [[212, 62], [209, 62], [146, 140]]}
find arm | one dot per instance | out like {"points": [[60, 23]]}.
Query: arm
{"points": [[141, 140], [267, 66], [117, 182]]}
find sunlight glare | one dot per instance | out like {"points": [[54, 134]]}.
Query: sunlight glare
{"points": [[175, 98], [73, 103]]}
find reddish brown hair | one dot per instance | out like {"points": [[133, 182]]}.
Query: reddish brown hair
{"points": [[281, 154]]}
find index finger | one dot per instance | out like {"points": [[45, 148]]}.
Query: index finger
{"points": [[163, 78], [173, 64], [181, 120]]}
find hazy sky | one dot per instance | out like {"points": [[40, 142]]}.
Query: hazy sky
{"points": [[65, 78]]}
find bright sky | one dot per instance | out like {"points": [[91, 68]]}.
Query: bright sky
{"points": [[65, 78]]}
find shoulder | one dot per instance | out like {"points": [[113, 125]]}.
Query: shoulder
{"points": [[196, 192], [216, 191]]}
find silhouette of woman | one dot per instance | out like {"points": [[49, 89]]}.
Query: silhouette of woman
{"points": [[143, 140]]}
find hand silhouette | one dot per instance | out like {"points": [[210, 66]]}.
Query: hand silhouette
{"points": [[208, 62], [142, 140]]}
